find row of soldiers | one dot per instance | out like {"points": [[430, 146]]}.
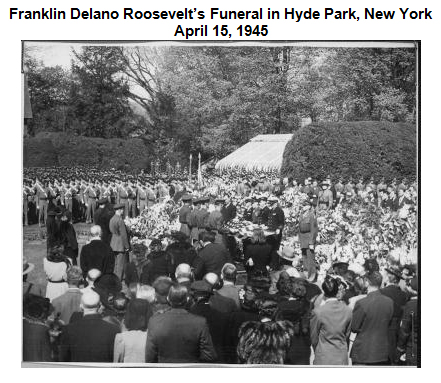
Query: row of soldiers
{"points": [[81, 197]]}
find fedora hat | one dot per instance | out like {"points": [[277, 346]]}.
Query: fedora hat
{"points": [[287, 253]]}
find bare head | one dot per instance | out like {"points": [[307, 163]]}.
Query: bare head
{"points": [[183, 271], [90, 302], [93, 275], [95, 231]]}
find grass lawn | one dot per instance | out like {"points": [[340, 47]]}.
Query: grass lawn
{"points": [[35, 250]]}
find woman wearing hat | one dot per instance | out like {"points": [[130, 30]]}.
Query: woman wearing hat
{"points": [[55, 266], [68, 237], [29, 287], [36, 339], [266, 341]]}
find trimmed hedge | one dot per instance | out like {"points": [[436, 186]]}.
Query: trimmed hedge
{"points": [[59, 149], [362, 148]]}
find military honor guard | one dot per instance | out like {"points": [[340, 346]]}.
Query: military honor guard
{"points": [[325, 197], [276, 221], [308, 230], [42, 196], [131, 199], [90, 195], [184, 214], [119, 241], [122, 198]]}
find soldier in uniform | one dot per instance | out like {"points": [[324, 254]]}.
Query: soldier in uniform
{"points": [[215, 218], [308, 230], [276, 221], [349, 187], [141, 198], [339, 191], [122, 197], [360, 187], [83, 198], [381, 185], [91, 195], [256, 211], [151, 195], [26, 194], [131, 191], [248, 211], [42, 193], [314, 193], [325, 197], [228, 211], [264, 211], [306, 188], [202, 215], [67, 194], [192, 221], [184, 214], [119, 241]]}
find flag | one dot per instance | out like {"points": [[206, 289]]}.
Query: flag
{"points": [[200, 181]]}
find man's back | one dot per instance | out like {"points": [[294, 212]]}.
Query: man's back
{"points": [[211, 259], [370, 320], [177, 336], [68, 303], [97, 255], [232, 292], [89, 339]]}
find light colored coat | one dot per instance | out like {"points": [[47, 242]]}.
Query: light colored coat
{"points": [[330, 330], [119, 241]]}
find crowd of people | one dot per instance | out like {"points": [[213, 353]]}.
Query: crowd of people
{"points": [[192, 295]]}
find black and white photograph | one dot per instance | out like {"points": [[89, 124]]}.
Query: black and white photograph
{"points": [[208, 204]]}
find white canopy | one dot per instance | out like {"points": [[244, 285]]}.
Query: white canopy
{"points": [[263, 152]]}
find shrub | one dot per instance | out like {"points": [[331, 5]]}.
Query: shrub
{"points": [[362, 148], [60, 149]]}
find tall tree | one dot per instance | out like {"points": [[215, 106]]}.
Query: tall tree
{"points": [[49, 94], [99, 95]]}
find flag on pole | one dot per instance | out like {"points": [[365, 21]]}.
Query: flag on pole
{"points": [[200, 182]]}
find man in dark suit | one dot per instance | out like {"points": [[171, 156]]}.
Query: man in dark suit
{"points": [[276, 221], [370, 321], [89, 339], [399, 297], [176, 336], [102, 218], [229, 210], [217, 321], [211, 257], [97, 254]]}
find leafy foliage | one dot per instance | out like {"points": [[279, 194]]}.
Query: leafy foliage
{"points": [[59, 149], [364, 148]]}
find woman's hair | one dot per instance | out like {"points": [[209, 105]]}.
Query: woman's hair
{"points": [[139, 250], [56, 254], [137, 315], [298, 288], [258, 236], [330, 287], [284, 285]]}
